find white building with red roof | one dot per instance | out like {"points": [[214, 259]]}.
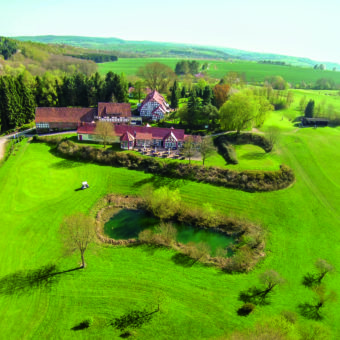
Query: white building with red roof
{"points": [[131, 137], [154, 106]]}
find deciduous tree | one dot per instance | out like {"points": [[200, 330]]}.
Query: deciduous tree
{"points": [[77, 233], [221, 93], [105, 130], [240, 111], [189, 149], [206, 147], [157, 76]]}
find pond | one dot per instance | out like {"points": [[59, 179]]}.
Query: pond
{"points": [[128, 223]]}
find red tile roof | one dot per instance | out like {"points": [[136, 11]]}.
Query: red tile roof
{"points": [[64, 114], [127, 137], [157, 97], [120, 130], [117, 109], [141, 135]]}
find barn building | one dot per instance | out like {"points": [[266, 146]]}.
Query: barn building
{"points": [[49, 119]]}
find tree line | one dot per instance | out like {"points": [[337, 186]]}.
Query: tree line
{"points": [[96, 57], [20, 95]]}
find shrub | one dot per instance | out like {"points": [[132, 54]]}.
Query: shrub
{"points": [[227, 151], [246, 309]]}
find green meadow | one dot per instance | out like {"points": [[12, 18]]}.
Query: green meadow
{"points": [[198, 302], [217, 69]]}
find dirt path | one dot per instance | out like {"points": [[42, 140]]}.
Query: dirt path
{"points": [[2, 147]]}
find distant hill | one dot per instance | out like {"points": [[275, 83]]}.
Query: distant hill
{"points": [[38, 57], [129, 48]]}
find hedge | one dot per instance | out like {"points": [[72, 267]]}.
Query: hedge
{"points": [[251, 181], [245, 138]]}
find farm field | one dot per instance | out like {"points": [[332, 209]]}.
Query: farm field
{"points": [[217, 69], [38, 190]]}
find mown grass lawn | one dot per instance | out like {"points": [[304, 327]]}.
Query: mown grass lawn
{"points": [[38, 189]]}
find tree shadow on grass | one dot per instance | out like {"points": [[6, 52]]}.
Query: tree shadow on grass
{"points": [[159, 181], [254, 295], [66, 164], [310, 311], [24, 281], [253, 156], [311, 280], [82, 325], [183, 260]]}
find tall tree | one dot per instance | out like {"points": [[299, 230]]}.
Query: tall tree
{"points": [[221, 93], [27, 99], [77, 233], [157, 76], [189, 148], [240, 111], [174, 96], [105, 130], [183, 92], [309, 110], [207, 95], [206, 147], [194, 106]]}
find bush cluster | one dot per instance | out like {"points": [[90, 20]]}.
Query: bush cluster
{"points": [[246, 180], [227, 151], [245, 138]]}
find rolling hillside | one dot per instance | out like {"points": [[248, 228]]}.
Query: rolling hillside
{"points": [[166, 49]]}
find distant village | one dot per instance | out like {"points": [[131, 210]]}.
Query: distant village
{"points": [[129, 130]]}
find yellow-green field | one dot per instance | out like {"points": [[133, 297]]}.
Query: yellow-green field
{"points": [[253, 71]]}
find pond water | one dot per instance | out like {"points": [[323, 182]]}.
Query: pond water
{"points": [[128, 223]]}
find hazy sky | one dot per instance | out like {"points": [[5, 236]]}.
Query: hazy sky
{"points": [[306, 28]]}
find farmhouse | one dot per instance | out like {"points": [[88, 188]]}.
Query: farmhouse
{"points": [[49, 119], [154, 106], [131, 137]]}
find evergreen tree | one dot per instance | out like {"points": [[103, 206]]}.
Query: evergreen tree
{"points": [[81, 94], [27, 100], [174, 96], [183, 92], [39, 92], [193, 109], [207, 95], [10, 105], [309, 110]]}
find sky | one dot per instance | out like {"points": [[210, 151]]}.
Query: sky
{"points": [[303, 28]]}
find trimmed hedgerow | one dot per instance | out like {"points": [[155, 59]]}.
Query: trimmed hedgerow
{"points": [[227, 151], [244, 180], [244, 138]]}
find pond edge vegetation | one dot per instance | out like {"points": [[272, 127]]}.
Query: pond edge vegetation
{"points": [[247, 250], [250, 180]]}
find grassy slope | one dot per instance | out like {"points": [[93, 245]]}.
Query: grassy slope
{"points": [[254, 72], [198, 302]]}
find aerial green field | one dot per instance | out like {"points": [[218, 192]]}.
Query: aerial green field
{"points": [[217, 69], [198, 302]]}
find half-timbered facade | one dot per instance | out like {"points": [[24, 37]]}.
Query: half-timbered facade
{"points": [[131, 137], [154, 106]]}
